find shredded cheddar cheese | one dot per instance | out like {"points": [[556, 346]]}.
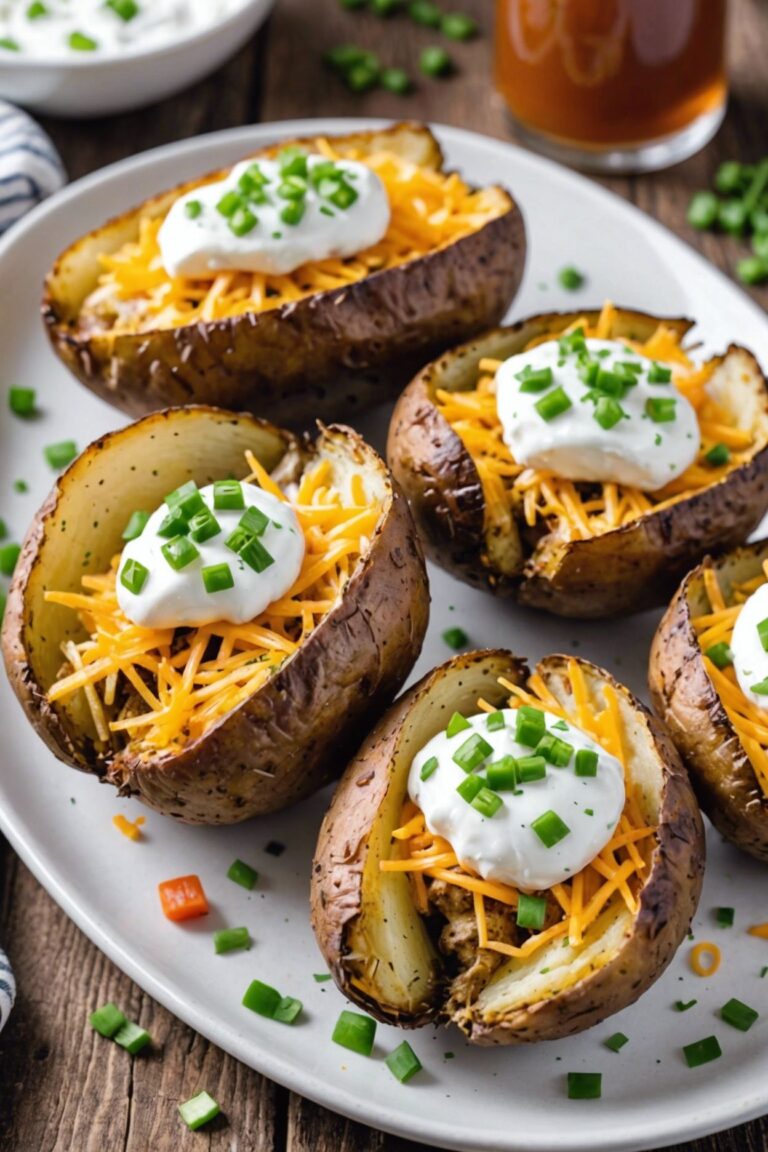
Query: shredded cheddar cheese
{"points": [[616, 872], [161, 688], [573, 510], [429, 210], [129, 828], [749, 722]]}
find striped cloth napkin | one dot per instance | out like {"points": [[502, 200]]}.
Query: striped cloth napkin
{"points": [[7, 989], [30, 166]]}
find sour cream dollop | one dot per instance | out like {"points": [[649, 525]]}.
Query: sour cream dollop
{"points": [[171, 598], [239, 223], [750, 659], [506, 846], [642, 433], [82, 28]]}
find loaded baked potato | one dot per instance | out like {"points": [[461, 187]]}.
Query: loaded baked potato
{"points": [[413, 933], [705, 678], [132, 638], [327, 337], [553, 528]]}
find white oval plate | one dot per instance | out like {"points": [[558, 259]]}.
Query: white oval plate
{"points": [[61, 822]]}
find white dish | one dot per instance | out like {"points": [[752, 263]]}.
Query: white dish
{"points": [[60, 822], [103, 85]]}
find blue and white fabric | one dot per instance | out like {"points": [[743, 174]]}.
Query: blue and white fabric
{"points": [[30, 166]]}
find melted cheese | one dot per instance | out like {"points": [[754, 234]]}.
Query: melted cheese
{"points": [[616, 872], [160, 689], [574, 511]]}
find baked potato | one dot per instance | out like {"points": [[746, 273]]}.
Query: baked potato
{"points": [[258, 718], [721, 735], [410, 957], [498, 526], [328, 340]]}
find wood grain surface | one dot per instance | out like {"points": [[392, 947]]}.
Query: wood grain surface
{"points": [[60, 1089]]}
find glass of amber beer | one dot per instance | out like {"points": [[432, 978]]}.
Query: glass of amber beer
{"points": [[613, 85]]}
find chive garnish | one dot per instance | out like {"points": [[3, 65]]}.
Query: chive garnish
{"points": [[456, 724], [288, 1010], [242, 874], [203, 526], [718, 455], [534, 379], [186, 500], [529, 725], [455, 638], [495, 721], [134, 576], [261, 998], [684, 1005], [570, 278], [531, 911], [616, 1042], [256, 555], [82, 43], [9, 555], [198, 1110], [428, 768], [502, 774], [531, 768], [321, 977], [472, 752], [469, 787], [228, 939], [660, 410], [725, 917], [585, 1085], [435, 61], [135, 525], [659, 374], [217, 578], [486, 802], [132, 1037], [586, 762], [403, 1063], [550, 829], [107, 1020], [61, 454], [553, 404], [738, 1015], [355, 1031], [253, 521], [22, 402], [193, 209], [702, 1051], [179, 552], [228, 494], [720, 654]]}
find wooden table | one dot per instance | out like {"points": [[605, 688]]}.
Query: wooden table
{"points": [[60, 1089]]}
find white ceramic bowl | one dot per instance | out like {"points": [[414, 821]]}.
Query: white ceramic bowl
{"points": [[102, 85]]}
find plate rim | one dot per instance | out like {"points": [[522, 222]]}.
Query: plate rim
{"points": [[718, 1116]]}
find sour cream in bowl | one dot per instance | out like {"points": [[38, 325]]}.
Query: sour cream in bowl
{"points": [[99, 57]]}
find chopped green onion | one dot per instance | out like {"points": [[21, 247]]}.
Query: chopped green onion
{"points": [[574, 342], [256, 555], [495, 721], [321, 977], [228, 494], [531, 768], [739, 1015], [702, 1051], [9, 555], [761, 688], [9, 44], [343, 196], [472, 752], [22, 401], [20, 486], [752, 270], [61, 454], [550, 829], [125, 9], [760, 241], [204, 526], [720, 654], [293, 188], [608, 412], [186, 500], [458, 26], [254, 521], [455, 638], [228, 939], [346, 56], [585, 1085], [531, 911], [362, 77], [732, 216], [486, 802], [242, 874], [82, 43], [198, 1110], [179, 552], [217, 578], [703, 210], [174, 524], [262, 999], [288, 1010], [229, 203], [469, 787], [107, 1020], [292, 162], [616, 1042], [193, 208], [718, 455], [242, 221], [661, 411], [684, 1005], [385, 8], [428, 768], [395, 80], [134, 576], [135, 525], [570, 278], [762, 632], [730, 177], [659, 374], [403, 1063], [586, 762], [534, 379], [553, 404], [355, 1031], [426, 13], [132, 1037], [456, 724], [555, 750], [435, 61], [725, 917], [293, 212], [502, 774], [36, 10], [530, 725], [3, 530]]}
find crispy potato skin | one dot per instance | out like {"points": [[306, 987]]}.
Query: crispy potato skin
{"points": [[667, 901], [325, 356], [293, 735], [686, 699], [632, 568]]}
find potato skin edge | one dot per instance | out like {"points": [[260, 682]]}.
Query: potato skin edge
{"points": [[686, 699]]}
